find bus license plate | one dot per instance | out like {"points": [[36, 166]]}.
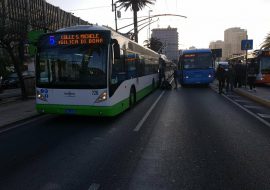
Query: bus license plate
{"points": [[70, 111]]}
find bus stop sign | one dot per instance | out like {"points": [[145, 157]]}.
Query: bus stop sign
{"points": [[246, 44]]}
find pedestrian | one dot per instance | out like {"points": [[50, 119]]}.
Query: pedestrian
{"points": [[175, 78], [161, 71], [238, 74], [230, 78], [220, 74], [251, 74]]}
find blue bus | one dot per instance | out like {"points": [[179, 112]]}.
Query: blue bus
{"points": [[196, 66]]}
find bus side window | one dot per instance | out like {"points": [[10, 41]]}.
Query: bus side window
{"points": [[118, 74], [118, 69], [131, 65]]}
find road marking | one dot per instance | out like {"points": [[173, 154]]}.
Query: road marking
{"points": [[264, 115], [242, 101], [94, 186], [38, 117], [245, 109], [139, 125], [233, 96], [252, 107]]}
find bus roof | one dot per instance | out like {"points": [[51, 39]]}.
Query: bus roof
{"points": [[196, 51], [83, 28]]}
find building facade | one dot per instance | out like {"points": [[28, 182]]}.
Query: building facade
{"points": [[169, 38], [232, 41]]}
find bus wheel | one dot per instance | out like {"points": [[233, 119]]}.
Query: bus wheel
{"points": [[132, 97]]}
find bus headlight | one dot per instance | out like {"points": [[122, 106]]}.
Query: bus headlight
{"points": [[41, 96], [186, 77], [102, 97], [209, 76]]}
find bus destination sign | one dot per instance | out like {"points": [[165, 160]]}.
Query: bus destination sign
{"points": [[76, 39], [189, 55]]}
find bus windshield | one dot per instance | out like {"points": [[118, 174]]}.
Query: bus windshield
{"points": [[265, 65], [197, 61], [80, 66]]}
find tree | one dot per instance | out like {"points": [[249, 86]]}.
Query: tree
{"points": [[266, 43], [12, 38], [135, 6], [154, 44], [18, 17]]}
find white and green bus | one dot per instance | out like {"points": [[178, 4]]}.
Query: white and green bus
{"points": [[92, 70]]}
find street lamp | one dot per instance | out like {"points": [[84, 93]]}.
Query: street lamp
{"points": [[116, 14], [149, 23]]}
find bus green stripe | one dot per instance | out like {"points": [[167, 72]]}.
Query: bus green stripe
{"points": [[92, 110], [84, 110]]}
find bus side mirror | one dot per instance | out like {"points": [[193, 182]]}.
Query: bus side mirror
{"points": [[116, 49]]}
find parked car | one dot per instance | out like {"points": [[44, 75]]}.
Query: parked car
{"points": [[12, 80]]}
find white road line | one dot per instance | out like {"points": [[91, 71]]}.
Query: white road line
{"points": [[252, 107], [24, 123], [139, 125], [94, 186], [264, 115], [246, 110], [242, 101]]}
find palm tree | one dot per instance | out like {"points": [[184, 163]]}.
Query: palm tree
{"points": [[154, 44], [135, 6], [266, 43]]}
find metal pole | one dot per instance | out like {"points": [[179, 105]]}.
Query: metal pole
{"points": [[115, 16], [149, 24]]}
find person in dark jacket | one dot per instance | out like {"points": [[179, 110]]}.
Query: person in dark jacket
{"points": [[230, 78], [252, 72], [239, 72], [220, 75]]}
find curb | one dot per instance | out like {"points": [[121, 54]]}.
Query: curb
{"points": [[13, 99], [254, 98], [9, 100], [21, 121]]}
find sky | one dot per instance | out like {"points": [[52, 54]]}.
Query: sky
{"points": [[206, 20]]}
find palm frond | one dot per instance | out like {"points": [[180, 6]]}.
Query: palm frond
{"points": [[266, 43], [135, 5]]}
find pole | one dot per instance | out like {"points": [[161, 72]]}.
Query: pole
{"points": [[149, 24], [115, 16]]}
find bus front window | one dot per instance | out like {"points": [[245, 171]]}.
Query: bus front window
{"points": [[70, 66], [265, 65], [197, 61]]}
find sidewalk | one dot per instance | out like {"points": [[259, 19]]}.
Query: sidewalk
{"points": [[262, 94], [16, 110]]}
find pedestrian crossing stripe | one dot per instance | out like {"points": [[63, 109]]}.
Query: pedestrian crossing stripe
{"points": [[263, 115], [241, 100], [251, 106]]}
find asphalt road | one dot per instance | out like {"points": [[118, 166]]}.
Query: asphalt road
{"points": [[193, 139]]}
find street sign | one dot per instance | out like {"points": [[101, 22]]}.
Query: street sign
{"points": [[246, 44], [217, 53], [33, 36]]}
